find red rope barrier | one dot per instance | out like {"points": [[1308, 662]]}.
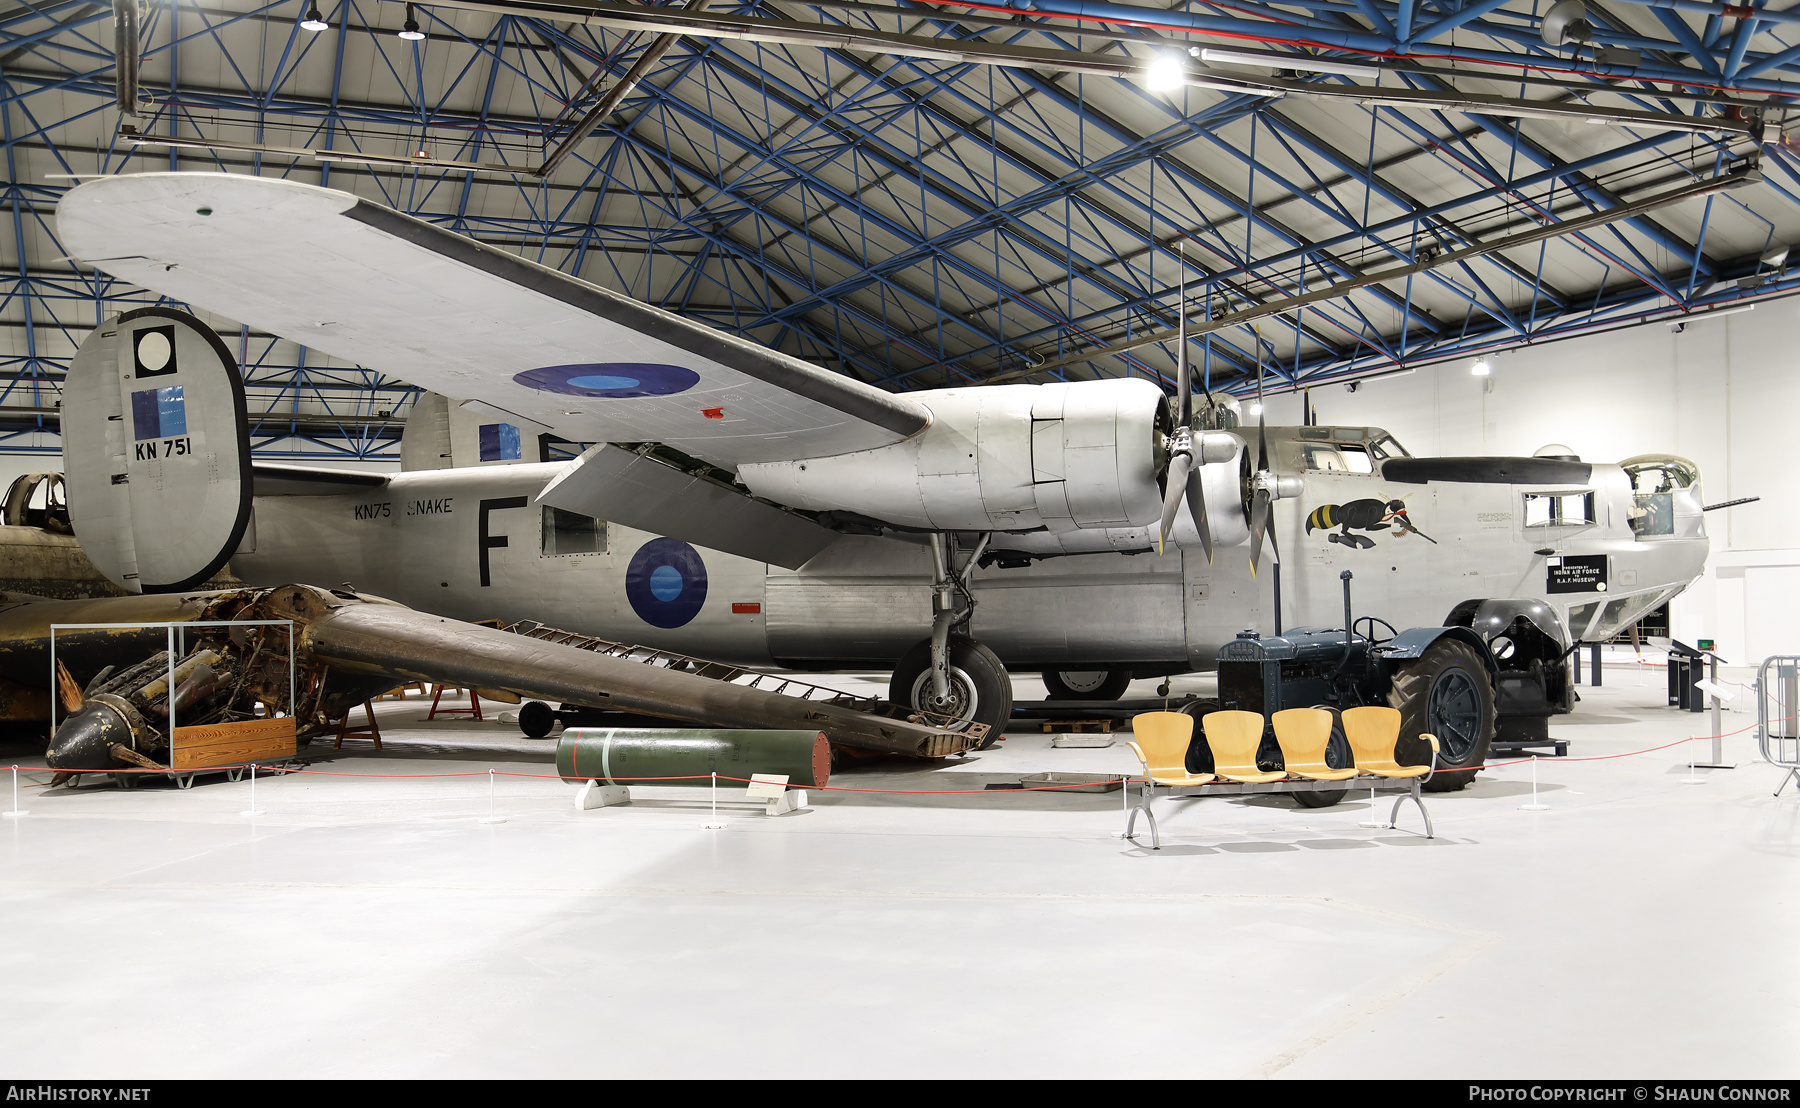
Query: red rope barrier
{"points": [[826, 788], [547, 777]]}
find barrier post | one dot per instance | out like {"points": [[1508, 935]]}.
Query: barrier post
{"points": [[493, 816], [253, 810], [16, 810], [1534, 806], [715, 823], [1692, 778]]}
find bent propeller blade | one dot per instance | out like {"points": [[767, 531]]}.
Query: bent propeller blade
{"points": [[1179, 467], [1259, 516], [1196, 499]]}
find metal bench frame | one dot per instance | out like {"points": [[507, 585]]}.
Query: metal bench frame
{"points": [[1407, 787]]}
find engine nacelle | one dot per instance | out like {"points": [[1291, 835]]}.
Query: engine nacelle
{"points": [[997, 458]]}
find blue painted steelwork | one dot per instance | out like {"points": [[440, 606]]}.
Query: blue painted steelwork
{"points": [[920, 222]]}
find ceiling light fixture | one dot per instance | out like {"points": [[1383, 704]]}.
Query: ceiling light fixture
{"points": [[1303, 62], [314, 21], [1165, 73], [1566, 22], [1481, 368], [411, 32], [1679, 325]]}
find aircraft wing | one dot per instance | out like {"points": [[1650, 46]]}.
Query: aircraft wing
{"points": [[531, 345]]}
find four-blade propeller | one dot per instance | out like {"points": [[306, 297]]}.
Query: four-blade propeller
{"points": [[1265, 486], [1190, 452]]}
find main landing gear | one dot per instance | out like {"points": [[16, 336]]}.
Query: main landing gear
{"points": [[950, 674]]}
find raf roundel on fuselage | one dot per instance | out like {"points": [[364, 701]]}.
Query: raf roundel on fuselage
{"points": [[666, 583]]}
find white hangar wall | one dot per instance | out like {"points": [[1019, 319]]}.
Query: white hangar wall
{"points": [[1725, 393]]}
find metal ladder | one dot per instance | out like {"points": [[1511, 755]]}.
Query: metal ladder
{"points": [[780, 684]]}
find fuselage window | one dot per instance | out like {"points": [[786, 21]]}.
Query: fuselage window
{"points": [[1559, 509], [1323, 459], [570, 533]]}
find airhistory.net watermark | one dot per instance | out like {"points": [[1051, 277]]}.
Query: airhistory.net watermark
{"points": [[51, 1094]]}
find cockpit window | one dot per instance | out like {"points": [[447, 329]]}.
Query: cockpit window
{"points": [[1356, 459], [1387, 447]]}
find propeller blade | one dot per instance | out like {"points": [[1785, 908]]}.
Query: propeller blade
{"points": [[1262, 413], [1259, 518], [1184, 385], [1179, 466], [1196, 500]]}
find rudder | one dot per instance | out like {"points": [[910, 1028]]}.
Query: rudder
{"points": [[156, 449]]}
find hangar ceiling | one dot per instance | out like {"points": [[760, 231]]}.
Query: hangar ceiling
{"points": [[929, 194]]}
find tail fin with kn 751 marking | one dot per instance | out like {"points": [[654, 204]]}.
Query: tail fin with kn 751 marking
{"points": [[156, 450]]}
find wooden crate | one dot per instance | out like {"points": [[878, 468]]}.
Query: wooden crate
{"points": [[231, 744]]}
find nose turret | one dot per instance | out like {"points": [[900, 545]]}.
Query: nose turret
{"points": [[1665, 497]]}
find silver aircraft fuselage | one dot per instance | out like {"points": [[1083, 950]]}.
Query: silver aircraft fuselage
{"points": [[470, 543]]}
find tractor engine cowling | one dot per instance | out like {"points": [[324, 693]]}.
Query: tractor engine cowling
{"points": [[998, 458]]}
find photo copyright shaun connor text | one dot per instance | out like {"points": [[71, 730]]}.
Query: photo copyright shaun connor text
{"points": [[1631, 1093]]}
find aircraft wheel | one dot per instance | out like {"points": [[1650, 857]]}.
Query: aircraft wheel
{"points": [[1087, 684], [1445, 692], [536, 720], [980, 689]]}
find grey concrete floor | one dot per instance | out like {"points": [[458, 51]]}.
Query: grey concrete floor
{"points": [[370, 926]]}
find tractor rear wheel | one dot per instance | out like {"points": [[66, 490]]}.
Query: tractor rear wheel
{"points": [[1445, 692]]}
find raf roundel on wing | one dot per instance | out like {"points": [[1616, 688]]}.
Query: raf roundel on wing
{"points": [[666, 583], [610, 380]]}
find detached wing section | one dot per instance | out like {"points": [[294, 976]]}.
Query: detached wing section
{"points": [[367, 284]]}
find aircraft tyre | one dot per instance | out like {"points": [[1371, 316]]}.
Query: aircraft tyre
{"points": [[1337, 756], [1445, 692], [980, 688], [536, 719], [1086, 684]]}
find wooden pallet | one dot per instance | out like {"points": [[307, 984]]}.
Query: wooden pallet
{"points": [[1079, 726]]}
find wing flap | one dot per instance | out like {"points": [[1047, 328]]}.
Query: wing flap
{"points": [[625, 487]]}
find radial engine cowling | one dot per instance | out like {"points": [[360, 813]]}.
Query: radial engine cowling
{"points": [[997, 458]]}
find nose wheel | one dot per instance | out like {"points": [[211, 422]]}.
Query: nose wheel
{"points": [[978, 687]]}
